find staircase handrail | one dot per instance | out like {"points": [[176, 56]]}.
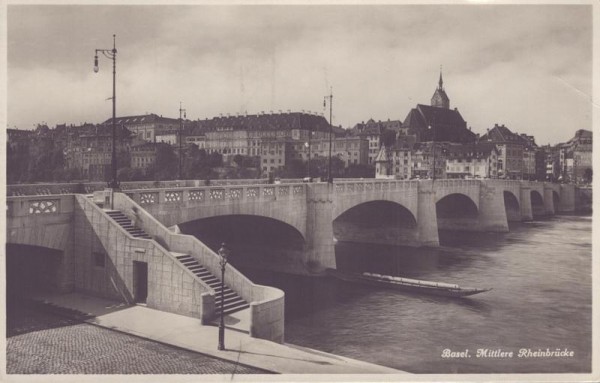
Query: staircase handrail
{"points": [[156, 244]]}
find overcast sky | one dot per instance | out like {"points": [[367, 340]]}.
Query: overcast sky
{"points": [[528, 67]]}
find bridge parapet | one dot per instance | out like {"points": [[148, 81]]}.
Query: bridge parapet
{"points": [[218, 194], [360, 186], [43, 189], [445, 187], [46, 205], [90, 187]]}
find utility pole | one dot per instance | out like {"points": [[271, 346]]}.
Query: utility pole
{"points": [[433, 136], [112, 55], [329, 178], [309, 143], [180, 139]]}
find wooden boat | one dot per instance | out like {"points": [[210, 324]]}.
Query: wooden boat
{"points": [[407, 284]]}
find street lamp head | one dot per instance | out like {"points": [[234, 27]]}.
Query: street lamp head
{"points": [[224, 253], [96, 69]]}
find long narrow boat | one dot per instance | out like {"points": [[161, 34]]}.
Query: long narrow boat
{"points": [[407, 284]]}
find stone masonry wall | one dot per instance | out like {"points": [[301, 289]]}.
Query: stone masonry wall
{"points": [[44, 221], [171, 287]]}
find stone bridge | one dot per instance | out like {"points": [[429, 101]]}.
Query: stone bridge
{"points": [[62, 239], [375, 211]]}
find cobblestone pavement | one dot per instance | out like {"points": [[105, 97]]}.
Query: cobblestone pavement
{"points": [[40, 342]]}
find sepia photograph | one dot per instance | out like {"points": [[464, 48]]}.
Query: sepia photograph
{"points": [[307, 191]]}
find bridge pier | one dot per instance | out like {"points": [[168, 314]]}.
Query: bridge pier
{"points": [[549, 200], [526, 211], [427, 224], [319, 249], [567, 198], [492, 212]]}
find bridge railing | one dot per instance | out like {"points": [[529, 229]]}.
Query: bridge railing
{"points": [[349, 186], [267, 303], [42, 205], [217, 194], [43, 189], [457, 183], [90, 187]]}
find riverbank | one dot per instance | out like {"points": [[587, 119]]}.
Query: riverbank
{"points": [[187, 333]]}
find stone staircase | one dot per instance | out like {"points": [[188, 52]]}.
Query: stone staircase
{"points": [[232, 301], [126, 224]]}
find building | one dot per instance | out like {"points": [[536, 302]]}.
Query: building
{"points": [[400, 157], [478, 160], [143, 155], [373, 132], [429, 160], [195, 134], [579, 149], [273, 154], [147, 126], [511, 147], [351, 150], [437, 122], [89, 150], [383, 164]]}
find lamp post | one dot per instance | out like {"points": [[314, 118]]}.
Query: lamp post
{"points": [[111, 54], [224, 254], [180, 138], [330, 97], [432, 126]]}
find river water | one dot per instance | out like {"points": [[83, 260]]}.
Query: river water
{"points": [[540, 273]]}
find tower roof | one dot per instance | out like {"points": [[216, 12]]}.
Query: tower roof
{"points": [[440, 98]]}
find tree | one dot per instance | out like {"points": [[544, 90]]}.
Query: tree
{"points": [[199, 164], [294, 168], [360, 171], [166, 164], [320, 166], [238, 159]]}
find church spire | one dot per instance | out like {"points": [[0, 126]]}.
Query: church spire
{"points": [[440, 98]]}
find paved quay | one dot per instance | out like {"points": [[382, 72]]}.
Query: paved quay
{"points": [[40, 341], [189, 334]]}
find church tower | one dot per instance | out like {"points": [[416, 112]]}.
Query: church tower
{"points": [[440, 98]]}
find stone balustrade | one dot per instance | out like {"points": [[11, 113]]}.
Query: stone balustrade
{"points": [[90, 187], [217, 194], [366, 185]]}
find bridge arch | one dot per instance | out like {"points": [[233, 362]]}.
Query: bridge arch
{"points": [[456, 212], [244, 227], [512, 206], [377, 221], [253, 239], [456, 205], [537, 204], [32, 269]]}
